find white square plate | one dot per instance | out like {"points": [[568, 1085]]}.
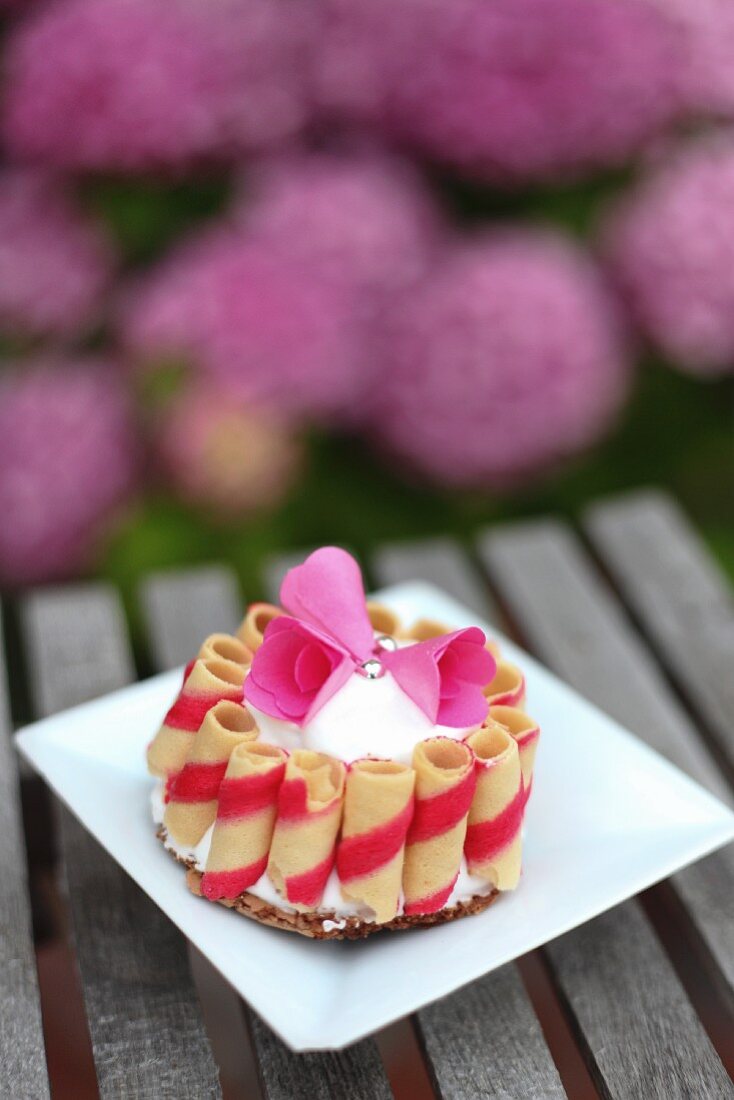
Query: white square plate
{"points": [[608, 817]]}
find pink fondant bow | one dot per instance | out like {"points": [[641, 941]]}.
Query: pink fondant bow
{"points": [[308, 655]]}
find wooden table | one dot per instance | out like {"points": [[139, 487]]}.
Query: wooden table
{"points": [[635, 1005]]}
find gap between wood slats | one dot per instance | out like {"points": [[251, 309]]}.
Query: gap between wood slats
{"points": [[695, 967], [68, 1045], [543, 529], [608, 522]]}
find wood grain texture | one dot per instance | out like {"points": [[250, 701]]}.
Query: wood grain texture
{"points": [[467, 1054], [641, 1033], [356, 1073], [484, 1040], [679, 596], [144, 1019], [282, 1073], [440, 561], [181, 608], [23, 1071]]}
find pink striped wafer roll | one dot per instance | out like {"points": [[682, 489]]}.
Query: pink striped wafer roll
{"points": [[192, 803], [207, 682], [252, 628], [248, 797], [526, 733], [309, 814], [507, 687], [493, 845], [444, 785], [378, 808]]}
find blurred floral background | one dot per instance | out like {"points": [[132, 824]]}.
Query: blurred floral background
{"points": [[280, 272]]}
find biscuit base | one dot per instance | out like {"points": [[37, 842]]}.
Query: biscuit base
{"points": [[312, 924]]}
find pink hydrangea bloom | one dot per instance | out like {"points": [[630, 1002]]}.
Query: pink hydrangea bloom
{"points": [[226, 458], [365, 220], [706, 69], [256, 325], [143, 84], [512, 89], [671, 245], [507, 359], [67, 459], [54, 265]]}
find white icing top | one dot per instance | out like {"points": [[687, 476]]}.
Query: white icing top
{"points": [[364, 718]]}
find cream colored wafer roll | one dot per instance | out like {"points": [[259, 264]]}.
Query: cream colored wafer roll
{"points": [[207, 682], [252, 628], [383, 620], [493, 845], [507, 686], [247, 805], [444, 786], [526, 733], [309, 815], [192, 805], [424, 629], [378, 808]]}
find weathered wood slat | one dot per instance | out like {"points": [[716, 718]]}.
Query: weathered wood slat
{"points": [[641, 1033], [440, 561], [283, 1074], [23, 1071], [356, 1073], [181, 608], [485, 1039], [144, 1019], [678, 594]]}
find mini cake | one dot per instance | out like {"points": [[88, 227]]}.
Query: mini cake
{"points": [[332, 771]]}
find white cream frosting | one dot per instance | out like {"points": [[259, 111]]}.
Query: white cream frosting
{"points": [[466, 887], [364, 718]]}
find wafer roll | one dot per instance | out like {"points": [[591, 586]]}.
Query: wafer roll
{"points": [[225, 647], [248, 797], [378, 808], [251, 629], [526, 733], [384, 621], [493, 845], [424, 629], [309, 814], [207, 682], [193, 794], [507, 687], [444, 786]]}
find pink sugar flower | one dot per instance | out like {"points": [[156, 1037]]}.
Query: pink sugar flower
{"points": [[295, 671], [444, 676]]}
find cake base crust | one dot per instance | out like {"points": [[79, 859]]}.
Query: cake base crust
{"points": [[312, 924]]}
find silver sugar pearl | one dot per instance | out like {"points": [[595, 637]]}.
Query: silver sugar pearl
{"points": [[386, 641], [372, 669]]}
